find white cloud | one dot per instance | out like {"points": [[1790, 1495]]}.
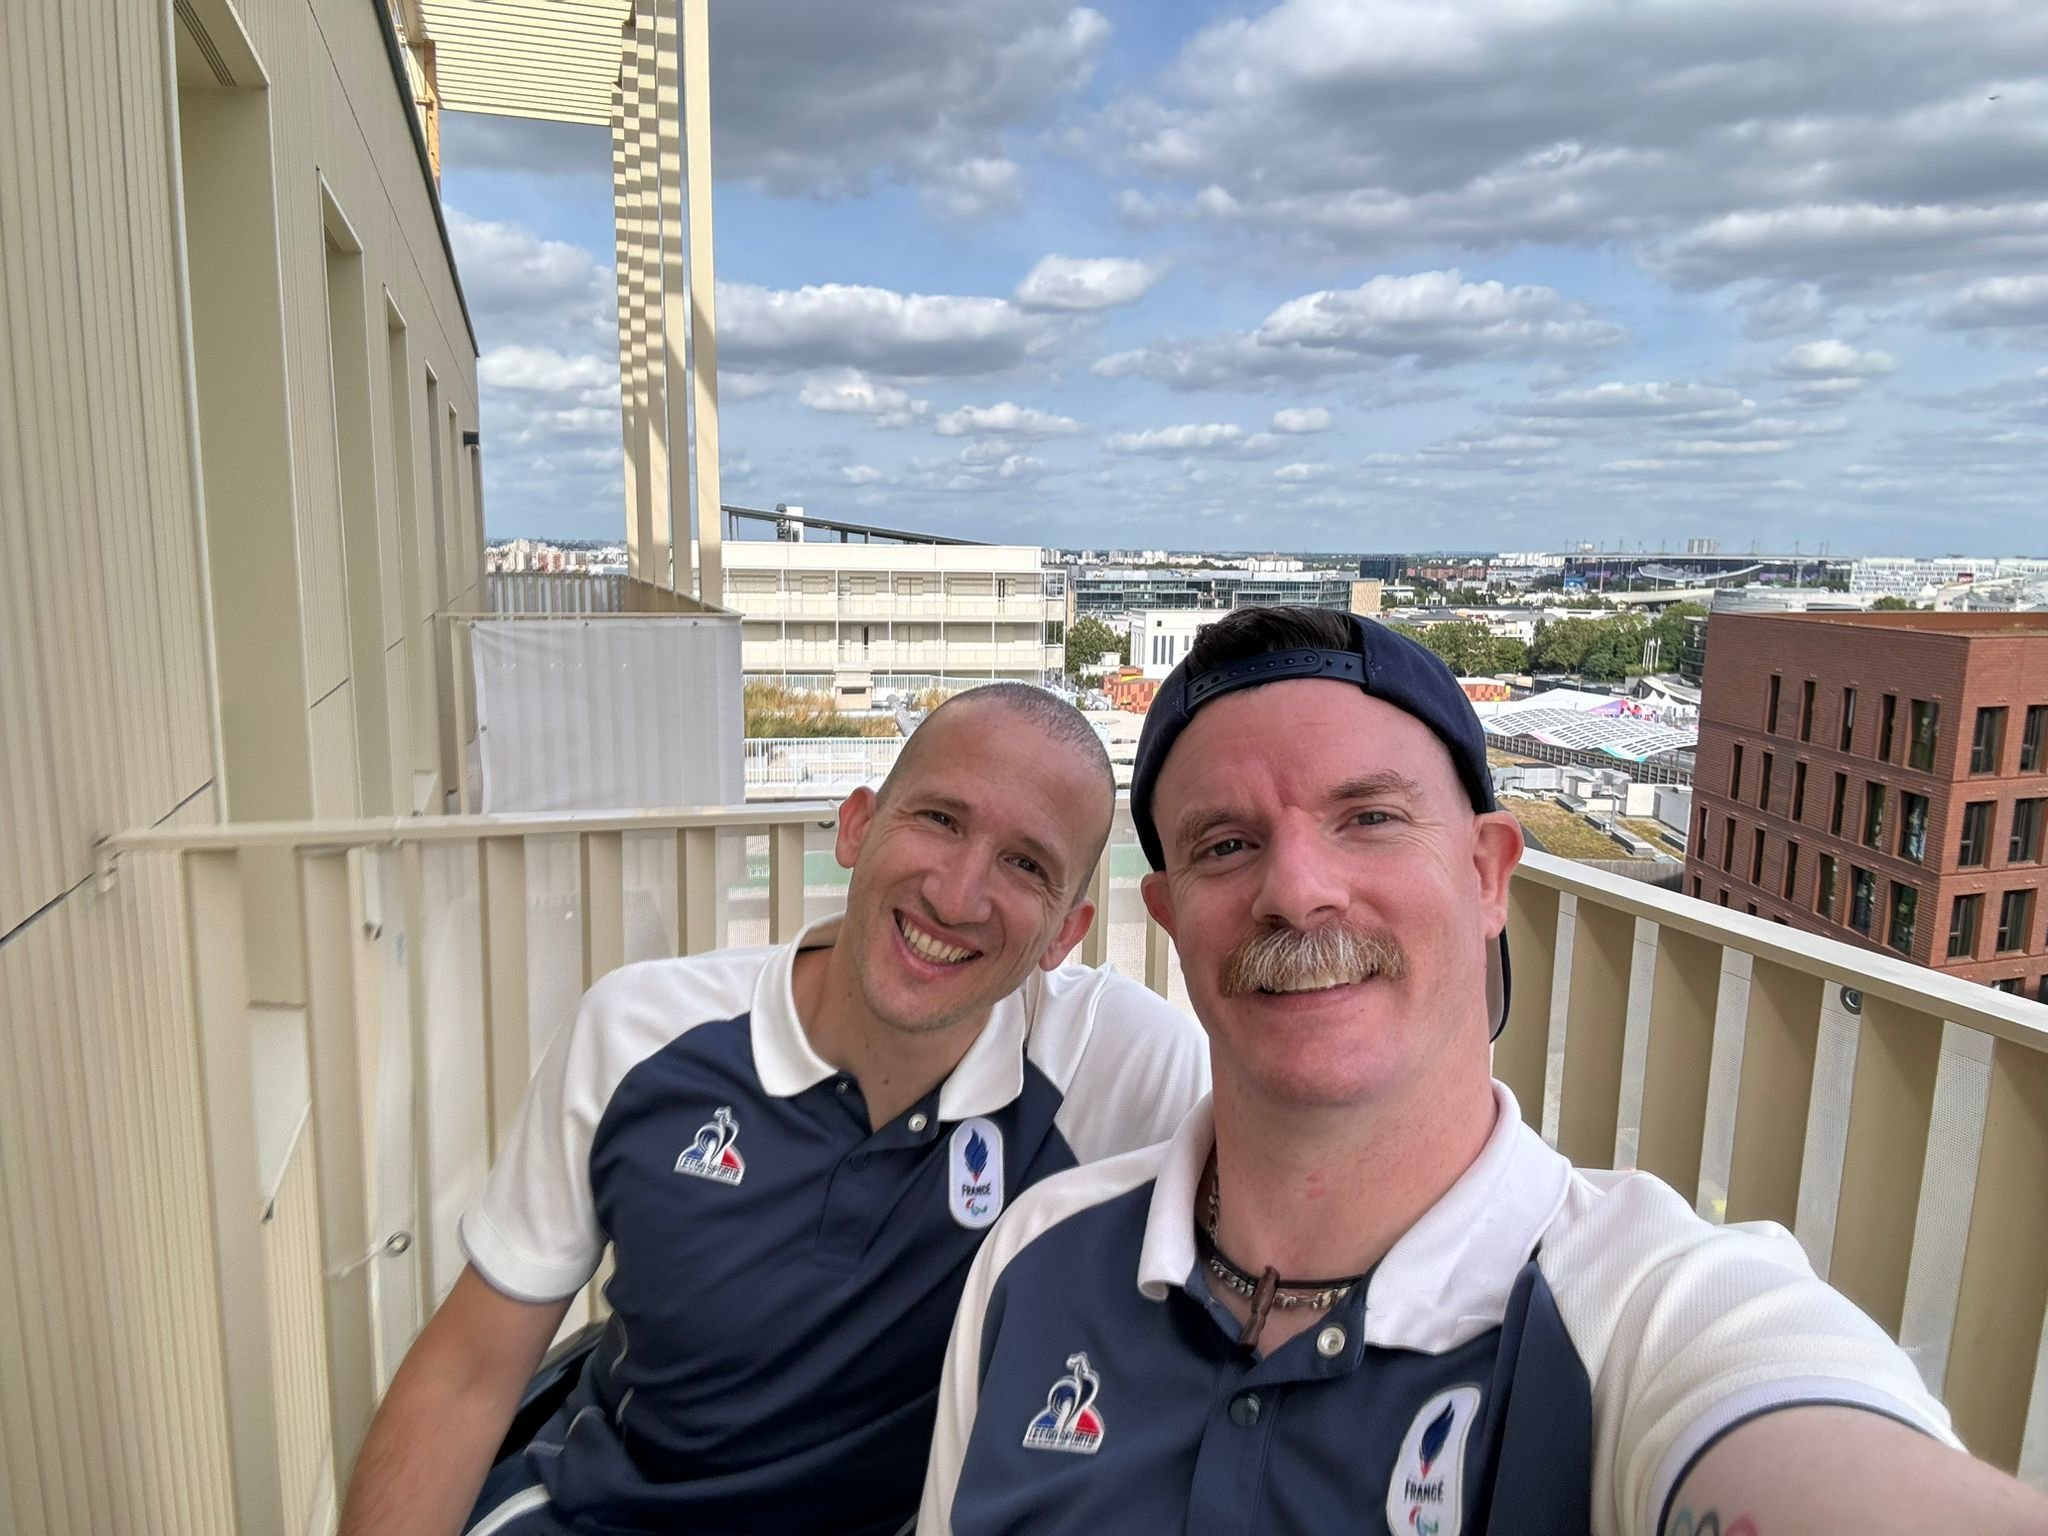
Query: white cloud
{"points": [[1312, 418], [974, 187], [859, 474], [852, 393], [1434, 317], [544, 293], [1007, 419], [1834, 360], [1191, 438], [1085, 283], [1296, 474], [1649, 401], [1997, 303], [1430, 319], [877, 330], [544, 370], [1848, 145]]}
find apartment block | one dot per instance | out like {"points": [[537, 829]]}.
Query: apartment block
{"points": [[904, 615], [1882, 778]]}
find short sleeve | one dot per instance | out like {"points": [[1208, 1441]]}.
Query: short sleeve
{"points": [[532, 1232], [1144, 1066], [1690, 1329]]}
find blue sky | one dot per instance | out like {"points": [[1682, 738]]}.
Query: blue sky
{"points": [[1493, 274]]}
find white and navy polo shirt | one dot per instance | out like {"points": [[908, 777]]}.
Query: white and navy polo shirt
{"points": [[784, 1276], [1545, 1351]]}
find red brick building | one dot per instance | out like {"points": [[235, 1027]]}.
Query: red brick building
{"points": [[1882, 778]]}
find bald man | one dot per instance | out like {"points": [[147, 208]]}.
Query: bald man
{"points": [[794, 1154]]}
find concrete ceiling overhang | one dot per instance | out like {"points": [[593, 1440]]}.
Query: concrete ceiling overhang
{"points": [[557, 60]]}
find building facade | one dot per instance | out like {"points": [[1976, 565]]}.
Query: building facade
{"points": [[1114, 593], [906, 616], [1916, 579], [239, 477], [1882, 778]]}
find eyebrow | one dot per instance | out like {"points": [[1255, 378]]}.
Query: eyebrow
{"points": [[1038, 852], [1380, 785]]}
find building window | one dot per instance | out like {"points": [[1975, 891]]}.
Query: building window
{"points": [[1699, 838], [1756, 859], [1799, 791], [2034, 739], [1873, 815], [1763, 789], [1905, 903], [1824, 888], [1976, 843], [2027, 818], [1749, 907], [1791, 868], [1862, 898], [1848, 717], [1724, 895], [2041, 994], [1771, 714], [1695, 887], [2015, 920], [1926, 722], [1887, 718], [1963, 921], [1841, 804], [1913, 827], [1806, 691], [1735, 774], [1989, 740], [2011, 985], [1728, 842]]}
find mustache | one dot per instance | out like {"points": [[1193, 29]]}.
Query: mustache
{"points": [[1288, 959]]}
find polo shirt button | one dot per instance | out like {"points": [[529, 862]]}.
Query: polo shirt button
{"points": [[1244, 1409], [1330, 1342], [918, 1123], [841, 1086], [858, 1160]]}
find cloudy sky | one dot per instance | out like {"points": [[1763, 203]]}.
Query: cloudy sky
{"points": [[1337, 274]]}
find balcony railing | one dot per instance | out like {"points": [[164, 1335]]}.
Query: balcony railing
{"points": [[1906, 1145], [884, 606], [789, 767]]}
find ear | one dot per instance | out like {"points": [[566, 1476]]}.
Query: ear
{"points": [[1496, 850], [1072, 929], [1158, 896], [856, 815]]}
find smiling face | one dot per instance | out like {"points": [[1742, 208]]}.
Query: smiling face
{"points": [[1332, 895], [968, 866]]}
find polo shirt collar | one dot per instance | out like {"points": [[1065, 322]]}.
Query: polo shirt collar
{"points": [[1445, 1281], [988, 1077]]}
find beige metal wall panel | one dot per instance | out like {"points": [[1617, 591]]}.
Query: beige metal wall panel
{"points": [[335, 789], [40, 313], [298, 1337], [110, 1412]]}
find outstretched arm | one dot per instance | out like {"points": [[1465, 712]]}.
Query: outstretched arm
{"points": [[430, 1446], [1825, 1471]]}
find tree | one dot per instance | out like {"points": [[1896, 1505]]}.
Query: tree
{"points": [[1561, 645], [1668, 630], [1470, 649], [1088, 639], [1890, 604]]}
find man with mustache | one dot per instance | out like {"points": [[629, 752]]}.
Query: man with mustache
{"points": [[1355, 1292], [793, 1154]]}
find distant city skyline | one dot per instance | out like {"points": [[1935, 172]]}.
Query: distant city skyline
{"points": [[1322, 276]]}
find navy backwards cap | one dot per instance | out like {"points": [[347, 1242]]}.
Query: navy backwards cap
{"points": [[1387, 665]]}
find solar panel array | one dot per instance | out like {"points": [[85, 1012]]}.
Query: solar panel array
{"points": [[1616, 736]]}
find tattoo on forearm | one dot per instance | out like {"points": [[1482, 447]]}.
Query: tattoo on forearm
{"points": [[1708, 1522]]}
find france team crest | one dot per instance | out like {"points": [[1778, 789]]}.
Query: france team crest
{"points": [[711, 1155], [974, 1173], [1069, 1422], [1426, 1495]]}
